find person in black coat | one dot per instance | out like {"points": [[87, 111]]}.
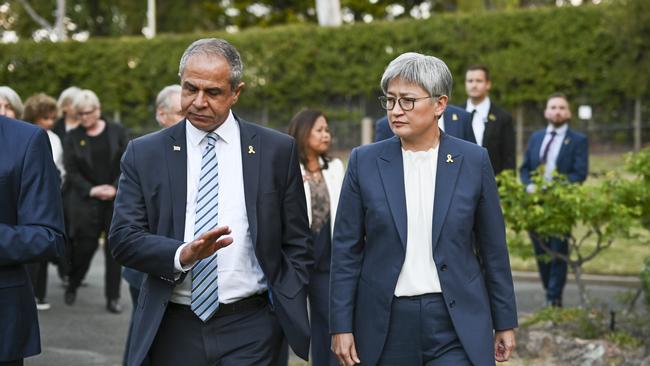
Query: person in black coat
{"points": [[92, 155], [493, 127]]}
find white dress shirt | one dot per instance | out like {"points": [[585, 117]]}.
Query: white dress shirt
{"points": [[441, 123], [239, 272], [480, 118], [57, 153], [553, 150], [419, 274]]}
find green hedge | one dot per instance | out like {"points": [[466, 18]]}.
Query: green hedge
{"points": [[531, 53]]}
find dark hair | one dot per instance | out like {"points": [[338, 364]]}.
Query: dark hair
{"points": [[300, 128], [39, 106], [480, 67]]}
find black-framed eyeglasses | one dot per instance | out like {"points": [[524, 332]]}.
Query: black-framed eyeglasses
{"points": [[406, 103]]}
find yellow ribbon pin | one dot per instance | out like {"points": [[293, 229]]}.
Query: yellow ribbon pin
{"points": [[251, 150], [449, 159], [454, 117], [82, 142], [492, 117]]}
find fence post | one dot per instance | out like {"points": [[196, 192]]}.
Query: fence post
{"points": [[637, 124], [519, 129], [366, 130]]}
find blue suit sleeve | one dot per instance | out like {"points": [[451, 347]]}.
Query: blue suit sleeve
{"points": [[580, 164], [347, 251], [491, 241], [39, 231], [130, 239]]}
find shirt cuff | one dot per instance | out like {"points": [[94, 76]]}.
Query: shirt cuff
{"points": [[178, 268], [531, 188]]}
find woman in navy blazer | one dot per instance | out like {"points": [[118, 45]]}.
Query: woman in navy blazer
{"points": [[322, 178]]}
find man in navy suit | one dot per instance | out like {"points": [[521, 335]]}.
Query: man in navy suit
{"points": [[455, 121], [557, 148], [409, 283], [213, 210], [31, 230]]}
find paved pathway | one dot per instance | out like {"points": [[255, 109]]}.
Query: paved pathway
{"points": [[86, 334]]}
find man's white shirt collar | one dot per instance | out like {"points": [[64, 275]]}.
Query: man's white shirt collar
{"points": [[228, 131]]}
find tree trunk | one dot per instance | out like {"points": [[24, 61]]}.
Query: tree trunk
{"points": [[519, 129], [59, 24], [328, 12], [637, 124], [582, 292]]}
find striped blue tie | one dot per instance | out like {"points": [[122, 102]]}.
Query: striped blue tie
{"points": [[205, 297]]}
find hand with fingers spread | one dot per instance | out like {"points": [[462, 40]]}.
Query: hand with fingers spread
{"points": [[504, 344], [344, 349], [205, 245]]}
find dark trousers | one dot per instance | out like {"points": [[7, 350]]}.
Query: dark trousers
{"points": [[421, 333], [135, 293], [12, 363], [321, 341], [552, 271], [83, 250], [252, 337], [38, 276], [82, 255]]}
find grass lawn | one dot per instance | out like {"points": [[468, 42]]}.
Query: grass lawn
{"points": [[624, 257]]}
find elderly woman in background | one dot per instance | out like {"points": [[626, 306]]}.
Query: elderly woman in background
{"points": [[67, 116], [10, 104], [322, 177], [92, 155], [40, 109]]}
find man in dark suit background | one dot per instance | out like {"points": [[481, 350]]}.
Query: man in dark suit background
{"points": [[406, 286], [493, 127], [31, 230], [455, 121], [557, 148], [213, 210]]}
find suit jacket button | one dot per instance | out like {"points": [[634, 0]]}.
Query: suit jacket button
{"points": [[452, 303], [443, 267]]}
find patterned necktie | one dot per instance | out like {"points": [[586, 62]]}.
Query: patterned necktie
{"points": [[205, 297], [547, 148]]}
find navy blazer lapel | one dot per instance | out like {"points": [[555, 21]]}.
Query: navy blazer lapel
{"points": [[451, 123], [176, 157], [250, 150], [536, 149], [449, 163], [391, 170], [568, 138]]}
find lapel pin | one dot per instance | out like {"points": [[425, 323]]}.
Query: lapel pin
{"points": [[251, 150], [454, 117], [82, 142], [492, 117], [449, 159], [566, 141], [177, 148]]}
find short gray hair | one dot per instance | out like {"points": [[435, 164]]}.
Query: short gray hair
{"points": [[13, 99], [215, 47], [162, 100], [428, 72], [85, 98], [67, 96]]}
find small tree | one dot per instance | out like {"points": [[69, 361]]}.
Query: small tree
{"points": [[558, 207]]}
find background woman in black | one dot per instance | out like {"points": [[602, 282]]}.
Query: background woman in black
{"points": [[92, 155]]}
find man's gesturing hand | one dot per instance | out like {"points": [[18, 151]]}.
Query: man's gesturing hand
{"points": [[205, 245], [344, 349]]}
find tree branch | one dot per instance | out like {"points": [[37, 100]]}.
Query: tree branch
{"points": [[42, 22]]}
